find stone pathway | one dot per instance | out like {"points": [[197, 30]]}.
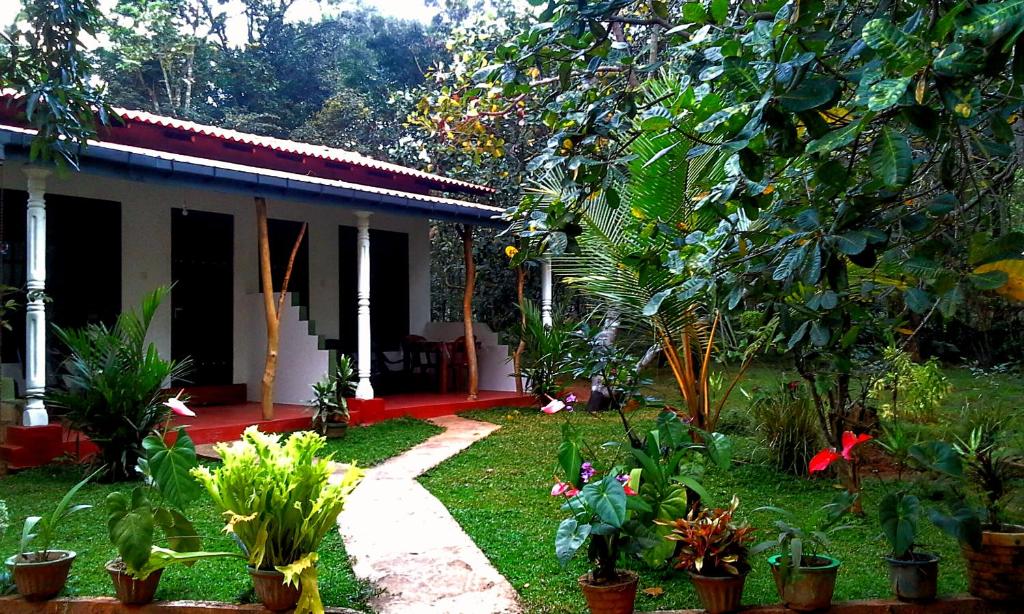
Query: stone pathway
{"points": [[403, 541]]}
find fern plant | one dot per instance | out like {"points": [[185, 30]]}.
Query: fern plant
{"points": [[111, 385]]}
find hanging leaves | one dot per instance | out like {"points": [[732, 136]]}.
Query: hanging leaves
{"points": [[891, 158]]}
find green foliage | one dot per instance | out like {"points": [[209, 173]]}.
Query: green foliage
{"points": [[279, 503], [133, 518], [329, 401], [910, 391], [787, 425], [899, 513], [808, 536], [47, 64], [112, 382], [546, 357], [41, 531]]}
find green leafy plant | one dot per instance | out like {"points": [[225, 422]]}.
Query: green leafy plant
{"points": [[546, 348], [134, 517], [711, 542], [112, 385], [899, 514], [329, 402], [787, 425], [41, 531], [909, 390], [802, 540], [279, 503]]}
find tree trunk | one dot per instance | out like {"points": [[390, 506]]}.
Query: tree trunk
{"points": [[272, 313], [467, 311], [517, 356]]}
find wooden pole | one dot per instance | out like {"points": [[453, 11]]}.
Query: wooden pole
{"points": [[467, 311], [272, 313], [517, 356]]}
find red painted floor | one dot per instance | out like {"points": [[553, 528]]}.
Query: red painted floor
{"points": [[227, 422]]}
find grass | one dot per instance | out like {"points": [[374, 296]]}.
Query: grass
{"points": [[33, 491], [498, 491]]}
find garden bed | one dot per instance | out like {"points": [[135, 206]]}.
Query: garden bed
{"points": [[36, 490], [109, 605]]}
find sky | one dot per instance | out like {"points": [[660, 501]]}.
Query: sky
{"points": [[302, 10]]}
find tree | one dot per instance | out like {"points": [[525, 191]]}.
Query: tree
{"points": [[47, 65], [853, 155]]}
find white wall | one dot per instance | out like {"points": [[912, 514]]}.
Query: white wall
{"points": [[146, 256]]}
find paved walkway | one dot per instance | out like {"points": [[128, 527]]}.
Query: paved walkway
{"points": [[402, 539]]}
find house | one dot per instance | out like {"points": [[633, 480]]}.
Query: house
{"points": [[160, 200]]}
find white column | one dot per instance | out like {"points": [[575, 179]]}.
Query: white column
{"points": [[363, 390], [545, 292], [35, 312]]}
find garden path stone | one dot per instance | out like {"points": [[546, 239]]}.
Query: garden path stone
{"points": [[402, 540]]}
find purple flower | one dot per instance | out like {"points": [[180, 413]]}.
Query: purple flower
{"points": [[587, 471], [571, 398], [622, 478]]}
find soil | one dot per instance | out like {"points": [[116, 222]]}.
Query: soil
{"points": [[40, 557]]}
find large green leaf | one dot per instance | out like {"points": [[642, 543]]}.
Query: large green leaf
{"points": [[836, 139], [570, 458], [170, 468], [894, 45], [130, 524], [608, 500], [899, 513], [891, 158], [181, 534], [959, 61], [886, 93], [570, 536], [991, 21], [810, 94]]}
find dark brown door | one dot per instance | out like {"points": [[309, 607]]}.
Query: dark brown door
{"points": [[202, 267]]}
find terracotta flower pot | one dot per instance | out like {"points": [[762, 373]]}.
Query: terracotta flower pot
{"points": [[996, 570], [719, 594], [810, 586], [914, 580], [129, 590], [273, 593], [613, 597], [41, 577]]}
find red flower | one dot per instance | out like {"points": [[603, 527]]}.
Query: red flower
{"points": [[851, 441], [629, 491], [826, 457]]}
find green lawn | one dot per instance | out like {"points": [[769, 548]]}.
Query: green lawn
{"points": [[31, 492], [498, 490]]}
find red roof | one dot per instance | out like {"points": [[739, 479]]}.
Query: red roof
{"points": [[157, 132]]}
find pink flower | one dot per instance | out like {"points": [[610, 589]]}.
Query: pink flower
{"points": [[553, 407], [178, 407], [563, 489], [826, 457]]}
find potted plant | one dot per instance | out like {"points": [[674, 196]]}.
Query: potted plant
{"points": [[913, 575], [42, 573], [805, 576], [985, 472], [133, 518], [280, 503], [330, 407], [714, 550]]}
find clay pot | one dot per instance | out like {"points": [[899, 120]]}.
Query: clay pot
{"points": [[129, 590], [335, 430], [808, 587], [613, 597], [914, 580], [41, 577], [273, 593], [996, 571], [719, 594]]}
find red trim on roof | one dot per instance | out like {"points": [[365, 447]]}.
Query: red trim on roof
{"points": [[156, 132]]}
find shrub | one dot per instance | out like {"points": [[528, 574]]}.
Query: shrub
{"points": [[112, 383], [788, 426], [544, 357], [279, 504], [909, 390]]}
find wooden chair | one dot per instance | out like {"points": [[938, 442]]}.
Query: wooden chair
{"points": [[421, 362], [458, 363]]}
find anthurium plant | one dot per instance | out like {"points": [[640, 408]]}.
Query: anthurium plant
{"points": [[134, 517], [279, 503], [711, 542]]}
